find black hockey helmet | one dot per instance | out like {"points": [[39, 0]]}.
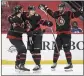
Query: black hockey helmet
{"points": [[17, 9], [31, 8], [61, 5]]}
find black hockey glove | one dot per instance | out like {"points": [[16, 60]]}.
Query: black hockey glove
{"points": [[28, 25], [46, 23], [49, 23]]}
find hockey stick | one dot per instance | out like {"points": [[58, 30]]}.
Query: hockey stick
{"points": [[51, 30]]}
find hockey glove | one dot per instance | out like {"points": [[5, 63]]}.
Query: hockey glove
{"points": [[43, 7], [46, 23], [49, 23], [28, 25]]}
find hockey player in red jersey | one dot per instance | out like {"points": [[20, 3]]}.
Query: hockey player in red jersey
{"points": [[63, 27], [37, 28]]}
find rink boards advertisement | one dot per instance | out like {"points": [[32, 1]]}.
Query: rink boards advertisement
{"points": [[47, 50]]}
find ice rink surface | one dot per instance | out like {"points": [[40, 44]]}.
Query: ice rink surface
{"points": [[46, 70]]}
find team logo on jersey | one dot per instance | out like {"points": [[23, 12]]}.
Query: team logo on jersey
{"points": [[60, 21]]}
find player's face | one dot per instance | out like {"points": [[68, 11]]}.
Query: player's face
{"points": [[32, 12], [21, 10], [75, 24], [61, 9]]}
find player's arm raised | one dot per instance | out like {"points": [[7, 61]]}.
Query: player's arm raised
{"points": [[47, 10]]}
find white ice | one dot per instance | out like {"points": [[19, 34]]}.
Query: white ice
{"points": [[46, 70]]}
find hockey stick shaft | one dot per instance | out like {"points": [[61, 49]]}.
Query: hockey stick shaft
{"points": [[55, 41]]}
